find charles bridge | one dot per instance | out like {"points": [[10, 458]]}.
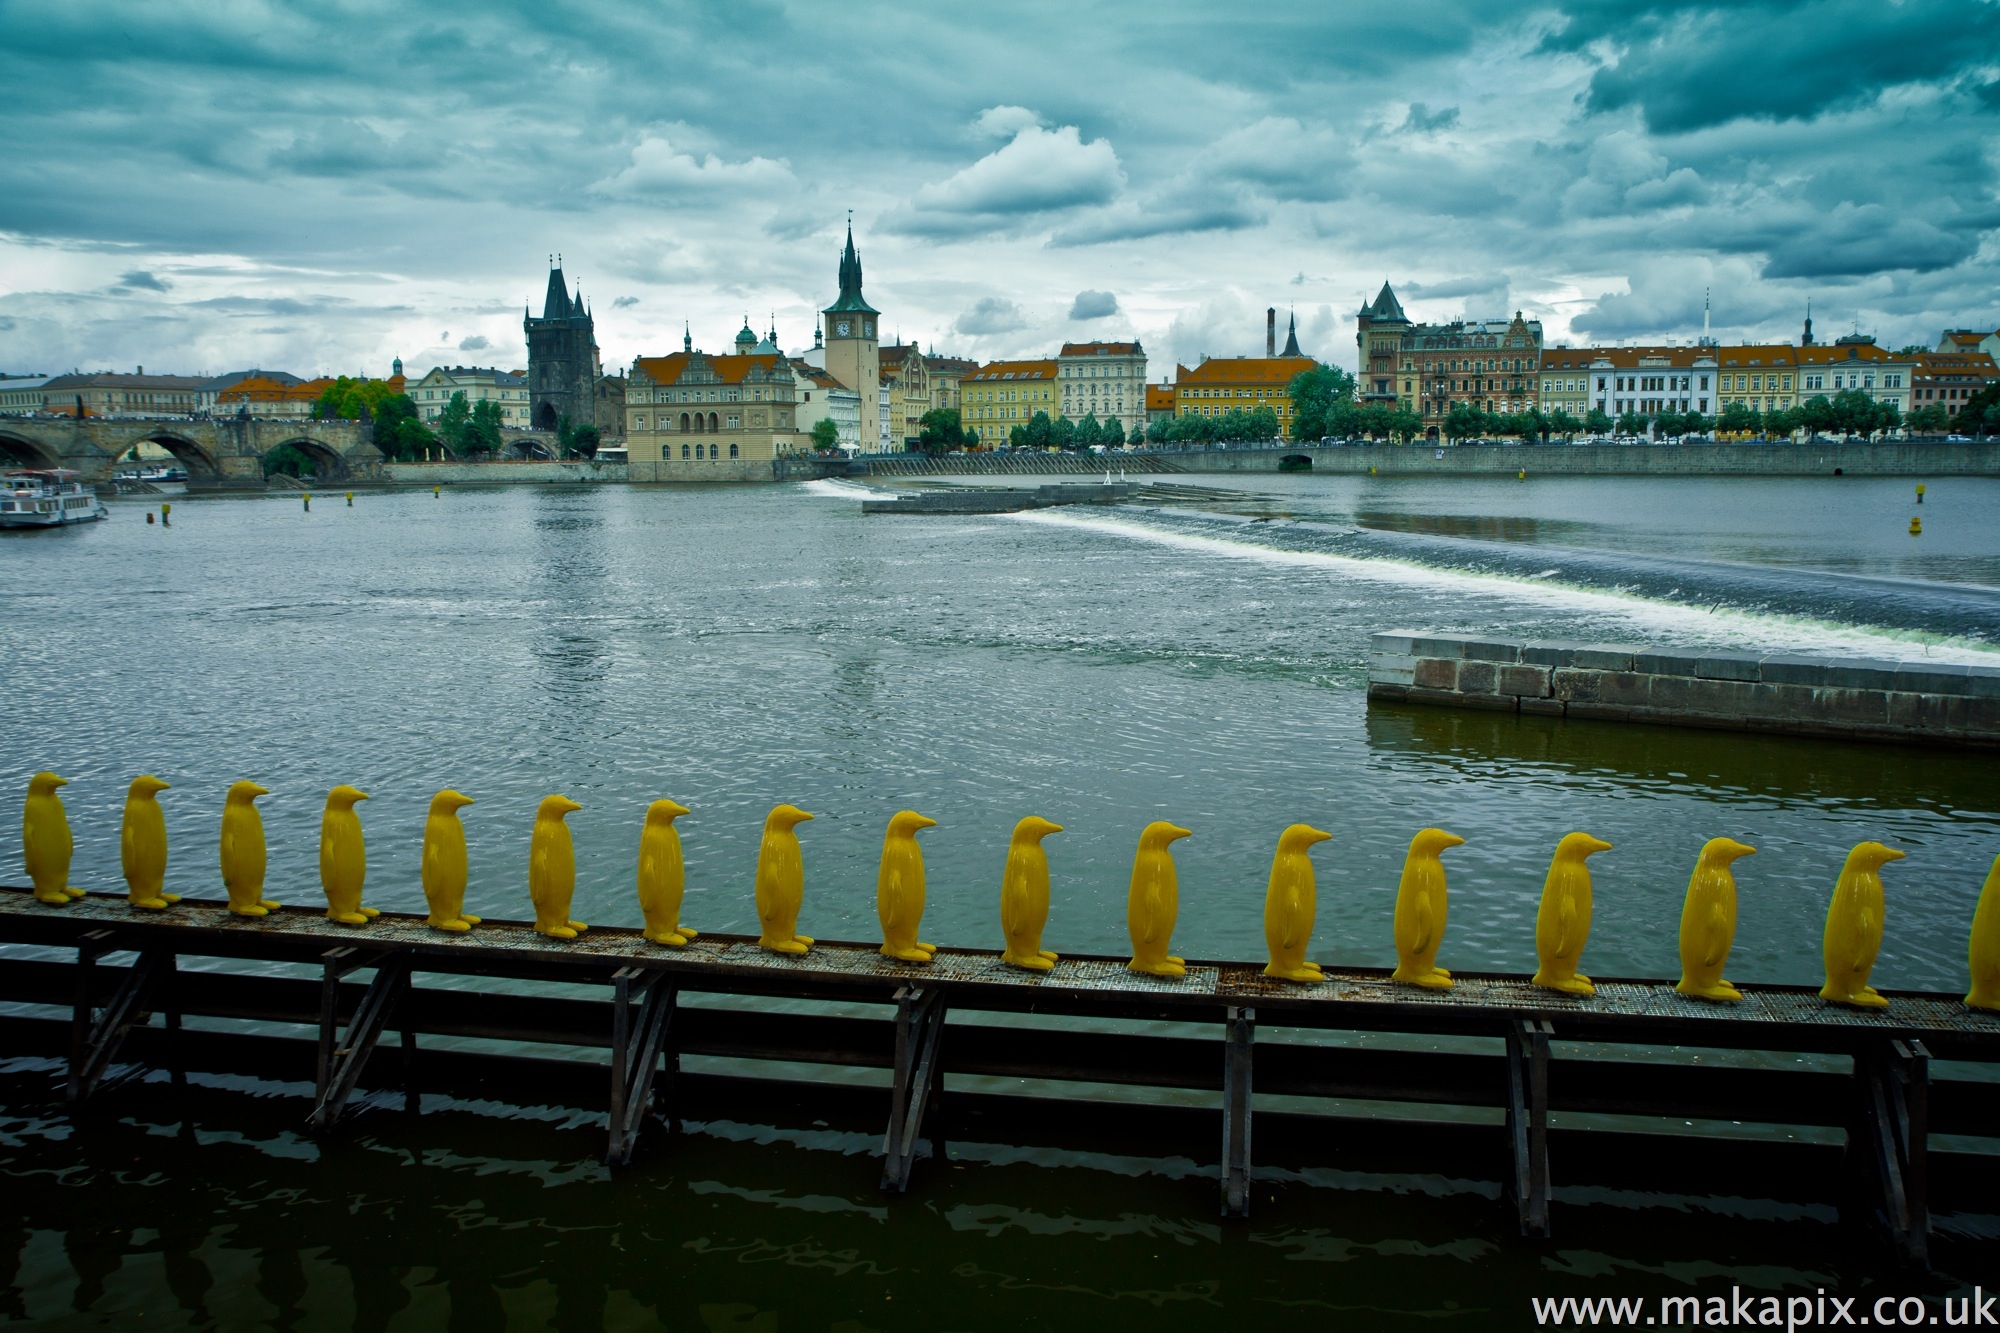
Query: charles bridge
{"points": [[224, 453]]}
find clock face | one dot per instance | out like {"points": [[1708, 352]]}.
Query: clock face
{"points": [[842, 328]]}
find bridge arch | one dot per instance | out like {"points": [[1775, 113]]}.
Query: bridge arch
{"points": [[328, 464], [20, 451], [199, 462]]}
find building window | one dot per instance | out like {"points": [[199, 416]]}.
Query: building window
{"points": [[684, 451], [732, 450]]}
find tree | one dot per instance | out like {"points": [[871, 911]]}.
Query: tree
{"points": [[1929, 420], [1980, 414], [1315, 394], [398, 433], [1815, 414], [482, 429], [290, 460], [939, 430], [1780, 422], [584, 439], [1668, 423], [1062, 433], [1404, 424], [972, 437], [1631, 423], [1464, 422], [1738, 418], [825, 435], [455, 420], [1561, 423], [1159, 431], [1090, 433], [1597, 421], [1039, 433], [1693, 423]]}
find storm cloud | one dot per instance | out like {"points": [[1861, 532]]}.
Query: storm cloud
{"points": [[326, 186]]}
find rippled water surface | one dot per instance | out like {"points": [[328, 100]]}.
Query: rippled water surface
{"points": [[737, 647]]}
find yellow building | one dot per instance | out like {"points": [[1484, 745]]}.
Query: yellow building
{"points": [[1220, 385], [1003, 394], [689, 415], [1763, 379], [906, 389]]}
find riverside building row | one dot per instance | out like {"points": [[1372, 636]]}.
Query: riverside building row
{"points": [[1503, 366]]}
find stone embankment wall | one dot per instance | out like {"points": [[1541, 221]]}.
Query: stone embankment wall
{"points": [[539, 471], [1860, 699], [1889, 458], [1027, 465]]}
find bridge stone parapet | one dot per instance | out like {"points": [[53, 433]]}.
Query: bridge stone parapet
{"points": [[224, 453]]}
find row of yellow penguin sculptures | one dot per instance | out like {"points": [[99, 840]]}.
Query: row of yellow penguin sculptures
{"points": [[1853, 935]]}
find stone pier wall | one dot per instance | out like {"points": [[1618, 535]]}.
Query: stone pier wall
{"points": [[1861, 699], [501, 473]]}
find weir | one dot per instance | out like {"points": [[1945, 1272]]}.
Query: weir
{"points": [[1587, 1090]]}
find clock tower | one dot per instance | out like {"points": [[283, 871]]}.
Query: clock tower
{"points": [[854, 345]]}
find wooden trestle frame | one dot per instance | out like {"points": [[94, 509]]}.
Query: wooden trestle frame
{"points": [[1889, 1107]]}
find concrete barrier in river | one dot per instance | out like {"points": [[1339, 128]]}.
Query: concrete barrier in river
{"points": [[1853, 698]]}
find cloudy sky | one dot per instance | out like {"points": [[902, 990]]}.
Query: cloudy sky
{"points": [[201, 185]]}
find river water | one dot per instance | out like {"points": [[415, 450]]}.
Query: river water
{"points": [[736, 647]]}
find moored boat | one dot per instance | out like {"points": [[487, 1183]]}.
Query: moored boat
{"points": [[46, 498]]}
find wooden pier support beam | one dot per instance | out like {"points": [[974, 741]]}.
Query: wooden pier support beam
{"points": [[1888, 1144], [1239, 1039], [1528, 1120], [94, 1038], [643, 1004], [340, 1065], [919, 1076]]}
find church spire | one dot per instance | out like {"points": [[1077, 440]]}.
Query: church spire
{"points": [[851, 298], [1292, 336]]}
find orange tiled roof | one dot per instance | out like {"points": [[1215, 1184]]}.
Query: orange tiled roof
{"points": [[257, 389], [1630, 358], [726, 369], [995, 371], [1247, 370], [1830, 355], [1092, 349], [1972, 365], [1161, 397]]}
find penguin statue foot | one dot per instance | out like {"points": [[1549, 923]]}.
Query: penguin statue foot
{"points": [[268, 905], [348, 918], [557, 932], [72, 894], [669, 937], [158, 904], [686, 933], [1576, 984], [54, 897], [1050, 956], [1721, 992], [1867, 997], [795, 945], [806, 940], [905, 955], [255, 909], [1444, 972], [1181, 963], [370, 912], [1034, 962], [1435, 979], [578, 927], [1170, 967], [927, 948], [469, 919], [449, 925], [1305, 975]]}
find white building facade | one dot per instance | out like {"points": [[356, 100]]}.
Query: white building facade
{"points": [[479, 384], [1103, 379]]}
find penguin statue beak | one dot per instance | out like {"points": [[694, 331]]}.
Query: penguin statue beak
{"points": [[671, 809], [1175, 833], [256, 791], [923, 821]]}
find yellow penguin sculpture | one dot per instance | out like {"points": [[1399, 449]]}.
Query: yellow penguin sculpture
{"points": [[1708, 922], [1154, 902], [1854, 927], [1984, 950], [343, 858], [1421, 909], [243, 851], [445, 866], [46, 844], [1562, 925], [1024, 895], [899, 888], [142, 845], [552, 869], [781, 882], [1291, 901], [662, 875]]}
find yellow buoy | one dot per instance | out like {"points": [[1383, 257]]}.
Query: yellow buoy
{"points": [[166, 510], [1920, 492], [307, 497], [1916, 526], [1522, 474], [350, 499], [434, 492]]}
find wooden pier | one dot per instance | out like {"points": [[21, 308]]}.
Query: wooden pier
{"points": [[1888, 1103]]}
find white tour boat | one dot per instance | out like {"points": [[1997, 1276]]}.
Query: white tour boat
{"points": [[46, 498]]}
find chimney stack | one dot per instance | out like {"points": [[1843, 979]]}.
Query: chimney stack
{"points": [[1271, 331]]}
